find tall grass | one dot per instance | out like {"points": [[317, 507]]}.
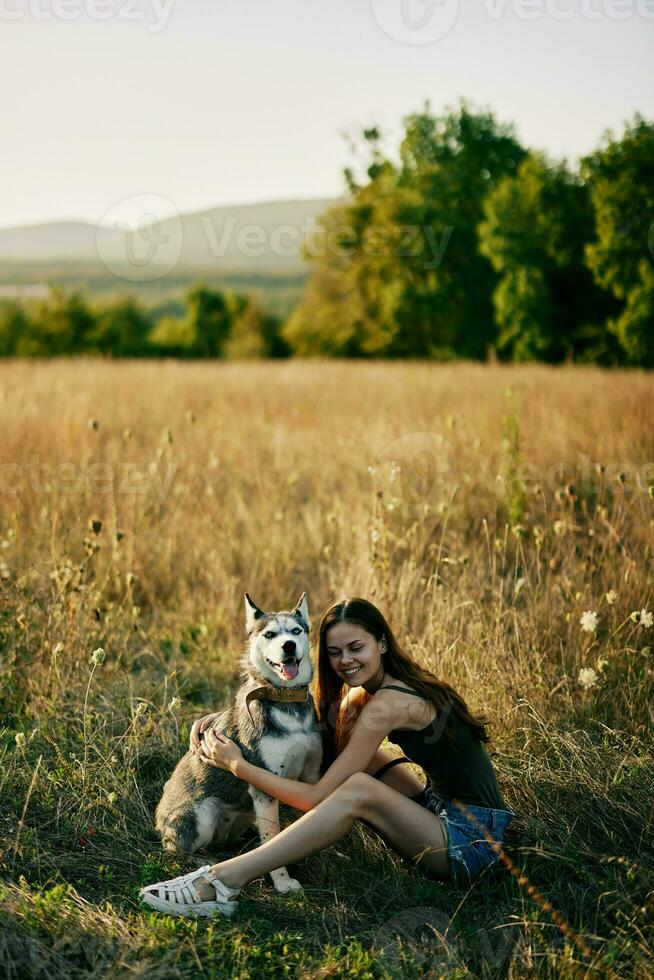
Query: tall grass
{"points": [[139, 501]]}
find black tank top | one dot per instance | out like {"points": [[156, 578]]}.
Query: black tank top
{"points": [[464, 772]]}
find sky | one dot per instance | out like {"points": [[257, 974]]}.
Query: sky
{"points": [[204, 103]]}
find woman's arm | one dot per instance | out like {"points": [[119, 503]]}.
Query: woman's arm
{"points": [[301, 796], [376, 720]]}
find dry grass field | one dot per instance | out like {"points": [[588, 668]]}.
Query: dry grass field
{"points": [[485, 509]]}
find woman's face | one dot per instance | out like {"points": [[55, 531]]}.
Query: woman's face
{"points": [[354, 654]]}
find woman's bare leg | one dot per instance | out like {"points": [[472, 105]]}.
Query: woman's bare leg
{"points": [[408, 827]]}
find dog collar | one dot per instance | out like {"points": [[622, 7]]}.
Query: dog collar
{"points": [[266, 693]]}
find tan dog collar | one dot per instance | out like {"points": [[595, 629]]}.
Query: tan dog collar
{"points": [[266, 693]]}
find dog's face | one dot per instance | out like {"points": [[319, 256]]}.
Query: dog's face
{"points": [[278, 643]]}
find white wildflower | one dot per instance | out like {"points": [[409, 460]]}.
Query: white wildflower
{"points": [[588, 621], [20, 739], [646, 619], [587, 677], [175, 703], [141, 708], [611, 597], [97, 657]]}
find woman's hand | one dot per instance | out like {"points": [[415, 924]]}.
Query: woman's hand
{"points": [[200, 725], [220, 751]]}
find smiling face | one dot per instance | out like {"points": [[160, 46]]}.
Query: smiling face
{"points": [[354, 654], [279, 651], [278, 646]]}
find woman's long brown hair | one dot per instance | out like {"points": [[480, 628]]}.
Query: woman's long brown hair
{"points": [[337, 719]]}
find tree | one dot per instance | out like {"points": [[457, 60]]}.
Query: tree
{"points": [[208, 320], [536, 226], [620, 174], [173, 336], [397, 268], [60, 324], [13, 327], [121, 329], [253, 333]]}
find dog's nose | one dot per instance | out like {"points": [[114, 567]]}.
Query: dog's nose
{"points": [[289, 646]]}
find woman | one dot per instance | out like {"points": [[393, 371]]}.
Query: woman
{"points": [[357, 652]]}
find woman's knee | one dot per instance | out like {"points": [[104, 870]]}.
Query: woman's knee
{"points": [[357, 791]]}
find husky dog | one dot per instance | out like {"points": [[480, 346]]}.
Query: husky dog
{"points": [[273, 721]]}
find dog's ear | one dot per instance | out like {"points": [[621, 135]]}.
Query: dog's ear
{"points": [[302, 609], [252, 612]]}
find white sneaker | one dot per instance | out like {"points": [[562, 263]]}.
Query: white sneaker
{"points": [[178, 896]]}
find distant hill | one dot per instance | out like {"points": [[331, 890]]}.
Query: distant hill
{"points": [[249, 238]]}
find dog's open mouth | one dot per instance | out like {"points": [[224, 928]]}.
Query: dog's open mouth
{"points": [[288, 669]]}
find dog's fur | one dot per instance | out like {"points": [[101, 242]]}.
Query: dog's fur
{"points": [[202, 805]]}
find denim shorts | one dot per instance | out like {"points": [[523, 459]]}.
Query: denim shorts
{"points": [[468, 850]]}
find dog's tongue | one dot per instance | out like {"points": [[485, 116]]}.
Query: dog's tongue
{"points": [[290, 670]]}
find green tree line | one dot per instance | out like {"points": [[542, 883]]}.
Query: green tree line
{"points": [[469, 244], [464, 244], [213, 324]]}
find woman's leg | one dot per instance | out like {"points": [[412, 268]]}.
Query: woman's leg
{"points": [[409, 828]]}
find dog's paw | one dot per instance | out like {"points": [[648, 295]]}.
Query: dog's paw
{"points": [[288, 886]]}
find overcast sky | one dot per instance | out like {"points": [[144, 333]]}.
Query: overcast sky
{"points": [[209, 102]]}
